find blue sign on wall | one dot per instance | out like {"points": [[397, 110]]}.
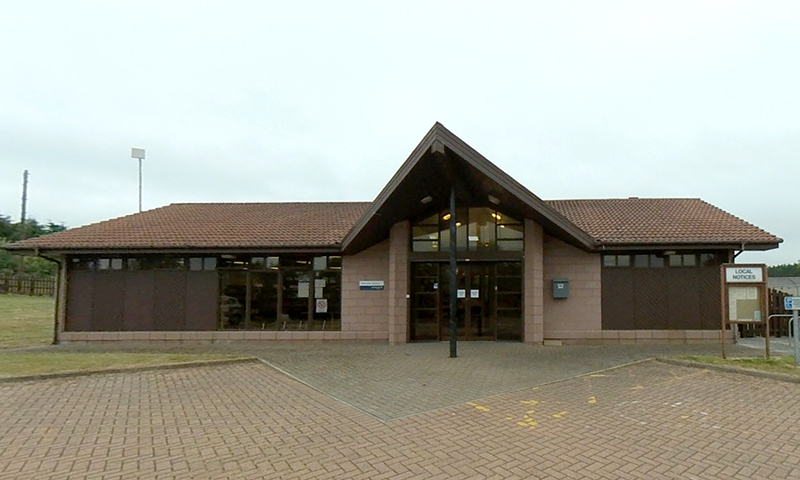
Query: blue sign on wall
{"points": [[791, 303], [370, 285]]}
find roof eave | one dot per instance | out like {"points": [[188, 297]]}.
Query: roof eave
{"points": [[642, 246]]}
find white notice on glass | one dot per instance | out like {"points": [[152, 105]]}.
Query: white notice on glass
{"points": [[461, 293], [474, 293], [322, 305], [302, 289]]}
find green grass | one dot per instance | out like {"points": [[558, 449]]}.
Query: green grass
{"points": [[21, 363], [774, 364], [26, 321]]}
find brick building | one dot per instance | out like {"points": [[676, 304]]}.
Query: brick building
{"points": [[572, 271]]}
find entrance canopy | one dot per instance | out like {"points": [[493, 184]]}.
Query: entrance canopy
{"points": [[422, 186]]}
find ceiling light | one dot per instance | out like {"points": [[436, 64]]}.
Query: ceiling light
{"points": [[446, 216], [494, 200], [426, 200]]}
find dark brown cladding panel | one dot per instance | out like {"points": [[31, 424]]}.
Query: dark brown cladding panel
{"points": [[80, 296], [109, 294], [138, 306], [169, 300], [202, 300], [141, 301], [660, 298], [617, 299]]}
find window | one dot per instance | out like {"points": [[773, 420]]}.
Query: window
{"points": [[683, 260], [478, 229], [616, 260], [291, 292], [197, 264], [648, 260]]}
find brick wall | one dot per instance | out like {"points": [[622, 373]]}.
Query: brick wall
{"points": [[398, 283], [580, 315], [366, 310], [533, 313]]}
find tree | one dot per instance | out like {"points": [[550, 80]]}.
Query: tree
{"points": [[784, 270], [31, 266]]}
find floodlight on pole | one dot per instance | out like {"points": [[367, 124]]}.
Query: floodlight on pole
{"points": [[139, 153]]}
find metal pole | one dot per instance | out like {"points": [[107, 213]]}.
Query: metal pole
{"points": [[453, 280], [140, 185], [795, 319], [24, 198]]}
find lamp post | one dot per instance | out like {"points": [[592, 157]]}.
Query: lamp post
{"points": [[139, 153]]}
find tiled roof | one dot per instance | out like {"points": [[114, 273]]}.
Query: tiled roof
{"points": [[638, 221], [659, 220], [210, 225]]}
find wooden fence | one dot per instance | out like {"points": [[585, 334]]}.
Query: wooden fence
{"points": [[22, 285]]}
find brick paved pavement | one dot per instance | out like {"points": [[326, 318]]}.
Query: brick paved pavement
{"points": [[648, 420], [395, 381]]}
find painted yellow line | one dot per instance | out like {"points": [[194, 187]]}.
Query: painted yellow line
{"points": [[478, 407]]}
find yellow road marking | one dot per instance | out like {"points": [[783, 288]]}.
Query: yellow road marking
{"points": [[529, 402], [560, 414], [592, 400], [637, 387], [478, 407]]}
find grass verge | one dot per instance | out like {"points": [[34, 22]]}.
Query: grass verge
{"points": [[783, 365], [26, 321], [22, 363]]}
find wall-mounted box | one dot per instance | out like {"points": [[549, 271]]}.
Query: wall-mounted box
{"points": [[560, 288]]}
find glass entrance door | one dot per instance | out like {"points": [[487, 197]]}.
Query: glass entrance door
{"points": [[487, 292], [474, 306]]}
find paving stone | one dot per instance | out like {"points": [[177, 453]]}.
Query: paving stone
{"points": [[489, 414]]}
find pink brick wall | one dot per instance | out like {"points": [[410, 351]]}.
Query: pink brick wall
{"points": [[398, 283], [533, 313], [580, 315], [366, 310]]}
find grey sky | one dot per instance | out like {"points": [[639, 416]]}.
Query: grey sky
{"points": [[314, 101]]}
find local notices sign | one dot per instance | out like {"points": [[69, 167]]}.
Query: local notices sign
{"points": [[744, 274]]}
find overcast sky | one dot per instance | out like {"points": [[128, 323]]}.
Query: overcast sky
{"points": [[315, 101]]}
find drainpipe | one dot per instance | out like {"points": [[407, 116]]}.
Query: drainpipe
{"points": [[58, 292]]}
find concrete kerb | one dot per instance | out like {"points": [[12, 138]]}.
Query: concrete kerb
{"points": [[142, 368], [729, 369]]}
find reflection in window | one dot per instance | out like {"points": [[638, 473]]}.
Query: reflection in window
{"points": [[296, 293], [284, 293], [477, 229], [616, 260], [232, 299], [263, 301]]}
